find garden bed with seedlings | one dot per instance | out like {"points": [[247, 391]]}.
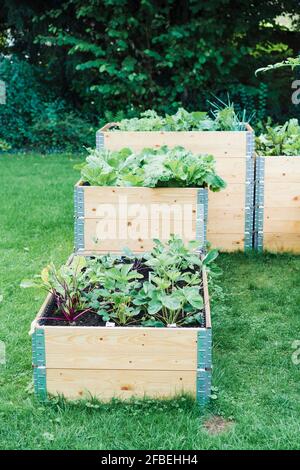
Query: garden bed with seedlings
{"points": [[277, 217], [126, 325], [128, 198], [227, 137]]}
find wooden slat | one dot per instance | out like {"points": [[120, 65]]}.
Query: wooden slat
{"points": [[231, 197], [227, 242], [232, 170], [282, 204], [123, 384], [282, 242], [97, 196], [121, 348], [226, 221], [282, 194], [282, 220], [136, 243], [228, 144], [282, 169]]}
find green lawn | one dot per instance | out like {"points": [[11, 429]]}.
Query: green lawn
{"points": [[254, 327]]}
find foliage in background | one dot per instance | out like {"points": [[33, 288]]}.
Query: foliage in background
{"points": [[33, 117], [163, 167], [280, 140], [106, 60], [116, 58]]}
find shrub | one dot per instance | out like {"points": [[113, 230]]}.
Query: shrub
{"points": [[33, 118]]}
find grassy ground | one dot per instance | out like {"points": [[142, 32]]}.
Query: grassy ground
{"points": [[258, 385]]}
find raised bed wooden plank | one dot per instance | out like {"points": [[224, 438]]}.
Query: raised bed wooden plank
{"points": [[278, 207], [121, 348], [282, 169], [228, 221], [219, 144], [228, 243], [284, 194], [123, 384], [95, 197], [282, 242]]}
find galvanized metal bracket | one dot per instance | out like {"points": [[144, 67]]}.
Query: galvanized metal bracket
{"points": [[204, 348], [249, 187], [202, 215], [204, 365], [259, 204], [79, 218], [39, 363], [99, 140], [203, 386], [200, 230]]}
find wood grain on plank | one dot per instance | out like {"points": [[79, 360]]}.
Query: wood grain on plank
{"points": [[228, 144], [123, 384], [121, 348], [282, 169]]}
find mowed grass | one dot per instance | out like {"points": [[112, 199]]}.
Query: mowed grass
{"points": [[254, 328]]}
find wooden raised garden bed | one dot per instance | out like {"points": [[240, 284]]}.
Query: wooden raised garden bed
{"points": [[110, 218], [123, 362], [230, 217], [277, 213]]}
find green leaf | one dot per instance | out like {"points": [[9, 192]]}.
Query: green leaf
{"points": [[154, 307], [28, 284], [153, 323], [193, 296], [171, 302], [210, 257]]}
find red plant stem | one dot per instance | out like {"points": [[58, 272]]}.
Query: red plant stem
{"points": [[82, 313]]}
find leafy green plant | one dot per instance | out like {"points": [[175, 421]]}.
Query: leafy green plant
{"points": [[33, 117], [280, 140], [67, 284], [157, 289], [223, 118], [291, 62], [113, 293], [173, 292], [152, 168]]}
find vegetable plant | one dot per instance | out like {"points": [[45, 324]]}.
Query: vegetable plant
{"points": [[67, 284], [163, 167], [222, 118], [159, 288], [280, 140]]}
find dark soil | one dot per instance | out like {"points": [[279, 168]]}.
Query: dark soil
{"points": [[53, 317]]}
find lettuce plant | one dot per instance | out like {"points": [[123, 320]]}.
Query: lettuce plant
{"points": [[163, 167], [280, 140]]}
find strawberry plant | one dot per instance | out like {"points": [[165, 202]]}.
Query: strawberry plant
{"points": [[163, 167]]}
